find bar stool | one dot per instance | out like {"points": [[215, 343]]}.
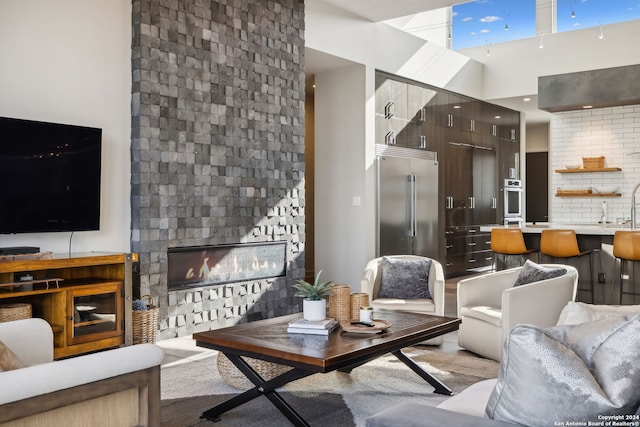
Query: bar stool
{"points": [[508, 241], [564, 244], [626, 247]]}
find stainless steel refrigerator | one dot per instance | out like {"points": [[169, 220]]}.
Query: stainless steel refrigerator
{"points": [[407, 191]]}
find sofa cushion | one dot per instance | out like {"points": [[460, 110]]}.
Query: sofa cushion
{"points": [[532, 272], [578, 312], [414, 414], [568, 373], [487, 314], [404, 278], [8, 359]]}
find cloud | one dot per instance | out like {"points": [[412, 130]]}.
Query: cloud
{"points": [[467, 19], [485, 31], [489, 19]]}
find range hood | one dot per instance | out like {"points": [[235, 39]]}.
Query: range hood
{"points": [[609, 87]]}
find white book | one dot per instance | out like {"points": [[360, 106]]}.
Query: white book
{"points": [[301, 323], [310, 331]]}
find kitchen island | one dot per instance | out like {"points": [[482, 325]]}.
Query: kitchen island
{"points": [[595, 237]]}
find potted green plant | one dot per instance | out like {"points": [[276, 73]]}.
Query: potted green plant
{"points": [[314, 305]]}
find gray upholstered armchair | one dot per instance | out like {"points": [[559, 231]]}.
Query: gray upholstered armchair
{"points": [[372, 279]]}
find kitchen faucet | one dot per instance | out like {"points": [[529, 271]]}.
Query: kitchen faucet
{"points": [[633, 206]]}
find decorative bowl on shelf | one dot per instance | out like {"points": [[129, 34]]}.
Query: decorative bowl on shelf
{"points": [[605, 189], [574, 166]]}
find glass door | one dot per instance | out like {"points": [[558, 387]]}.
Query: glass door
{"points": [[94, 313]]}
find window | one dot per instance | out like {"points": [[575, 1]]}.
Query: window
{"points": [[486, 22], [577, 14]]}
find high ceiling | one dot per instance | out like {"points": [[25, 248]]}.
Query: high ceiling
{"points": [[381, 10]]}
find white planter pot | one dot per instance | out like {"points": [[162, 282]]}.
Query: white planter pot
{"points": [[314, 310]]}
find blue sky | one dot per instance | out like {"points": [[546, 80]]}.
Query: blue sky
{"points": [[485, 21]]}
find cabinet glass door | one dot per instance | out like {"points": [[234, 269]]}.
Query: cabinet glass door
{"points": [[94, 313]]}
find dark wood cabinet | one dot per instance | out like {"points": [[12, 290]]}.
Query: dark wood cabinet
{"points": [[477, 145], [467, 249]]}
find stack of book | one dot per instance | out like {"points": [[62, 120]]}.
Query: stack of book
{"points": [[320, 327]]}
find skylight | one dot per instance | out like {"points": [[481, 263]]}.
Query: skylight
{"points": [[486, 22]]}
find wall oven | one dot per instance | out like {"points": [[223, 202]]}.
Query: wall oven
{"points": [[512, 201]]}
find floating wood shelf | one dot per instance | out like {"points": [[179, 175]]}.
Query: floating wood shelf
{"points": [[588, 170], [588, 194]]}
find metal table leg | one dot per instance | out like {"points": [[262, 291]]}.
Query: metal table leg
{"points": [[440, 388], [262, 388]]}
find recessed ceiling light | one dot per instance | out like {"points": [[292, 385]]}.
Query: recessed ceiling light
{"points": [[587, 106], [497, 117], [457, 106], [527, 99]]}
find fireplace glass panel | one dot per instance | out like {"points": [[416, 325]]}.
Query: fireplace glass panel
{"points": [[214, 265]]}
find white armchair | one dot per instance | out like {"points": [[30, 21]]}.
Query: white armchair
{"points": [[490, 307], [370, 284]]}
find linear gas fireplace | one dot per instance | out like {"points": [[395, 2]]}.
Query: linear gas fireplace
{"points": [[220, 264]]}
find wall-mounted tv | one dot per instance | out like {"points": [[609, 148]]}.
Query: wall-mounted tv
{"points": [[49, 177]]}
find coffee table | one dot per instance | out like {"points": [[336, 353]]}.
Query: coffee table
{"points": [[310, 354]]}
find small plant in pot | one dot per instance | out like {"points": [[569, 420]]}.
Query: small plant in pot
{"points": [[314, 305]]}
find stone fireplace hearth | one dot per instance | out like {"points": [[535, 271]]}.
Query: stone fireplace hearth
{"points": [[217, 150]]}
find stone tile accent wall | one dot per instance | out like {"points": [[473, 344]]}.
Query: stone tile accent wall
{"points": [[611, 132], [217, 148]]}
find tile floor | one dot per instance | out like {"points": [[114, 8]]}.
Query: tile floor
{"points": [[184, 349]]}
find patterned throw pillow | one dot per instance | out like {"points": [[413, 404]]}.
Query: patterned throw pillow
{"points": [[532, 272], [568, 373], [404, 278], [8, 359]]}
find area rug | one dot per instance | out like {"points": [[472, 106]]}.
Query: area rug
{"points": [[333, 399]]}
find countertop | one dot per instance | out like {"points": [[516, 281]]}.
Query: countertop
{"points": [[590, 229]]}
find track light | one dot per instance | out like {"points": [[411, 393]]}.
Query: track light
{"points": [[601, 36], [573, 12], [541, 45]]}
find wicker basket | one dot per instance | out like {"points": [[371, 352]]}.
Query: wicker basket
{"points": [[17, 311], [145, 322], [232, 375], [593, 162], [358, 300], [339, 307]]}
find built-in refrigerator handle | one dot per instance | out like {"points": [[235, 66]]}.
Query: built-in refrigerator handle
{"points": [[412, 206]]}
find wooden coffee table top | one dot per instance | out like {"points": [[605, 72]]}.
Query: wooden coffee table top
{"points": [[268, 340]]}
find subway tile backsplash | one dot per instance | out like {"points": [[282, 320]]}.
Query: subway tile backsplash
{"points": [[611, 132]]}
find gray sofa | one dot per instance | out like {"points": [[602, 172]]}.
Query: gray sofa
{"points": [[119, 387], [465, 409], [540, 373]]}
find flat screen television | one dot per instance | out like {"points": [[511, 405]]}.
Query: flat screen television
{"points": [[49, 177]]}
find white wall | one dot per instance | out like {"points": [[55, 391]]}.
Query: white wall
{"points": [[342, 228], [69, 61], [537, 137], [378, 45], [610, 132]]}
